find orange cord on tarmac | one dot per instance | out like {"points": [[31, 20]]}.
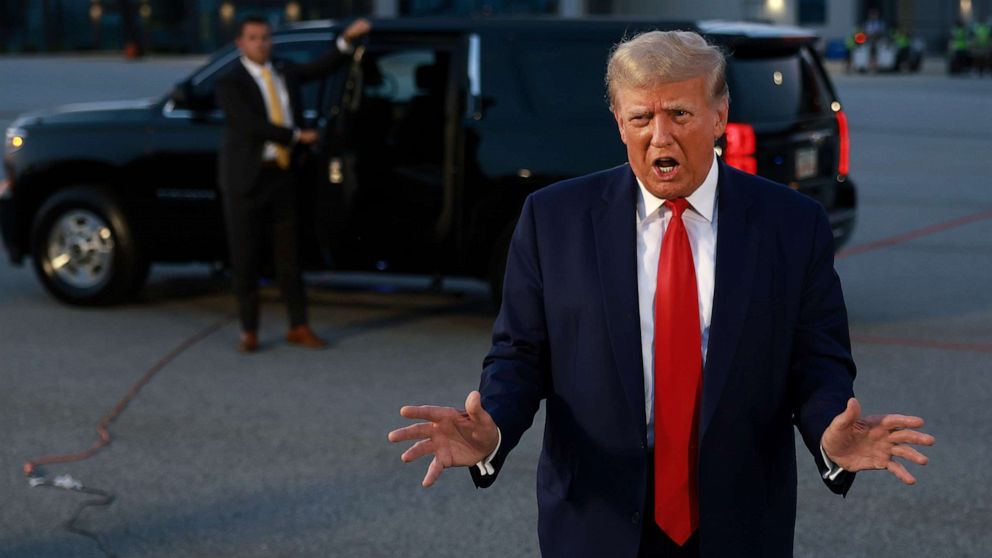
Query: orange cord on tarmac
{"points": [[31, 467]]}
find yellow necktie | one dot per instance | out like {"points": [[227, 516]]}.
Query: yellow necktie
{"points": [[276, 116]]}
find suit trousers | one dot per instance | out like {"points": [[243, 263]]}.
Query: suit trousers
{"points": [[267, 208], [654, 542]]}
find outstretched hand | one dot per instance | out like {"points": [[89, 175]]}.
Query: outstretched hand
{"points": [[455, 437], [859, 444], [358, 28]]}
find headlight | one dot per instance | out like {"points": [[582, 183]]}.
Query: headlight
{"points": [[15, 139]]}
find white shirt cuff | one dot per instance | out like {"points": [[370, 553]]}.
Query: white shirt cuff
{"points": [[485, 466], [344, 47], [833, 470]]}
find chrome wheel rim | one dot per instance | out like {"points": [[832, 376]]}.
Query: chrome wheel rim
{"points": [[81, 249]]}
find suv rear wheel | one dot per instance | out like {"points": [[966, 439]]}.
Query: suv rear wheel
{"points": [[84, 250]]}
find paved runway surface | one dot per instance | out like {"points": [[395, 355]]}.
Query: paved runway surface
{"points": [[284, 453]]}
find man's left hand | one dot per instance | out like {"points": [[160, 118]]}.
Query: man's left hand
{"points": [[358, 28], [859, 444]]}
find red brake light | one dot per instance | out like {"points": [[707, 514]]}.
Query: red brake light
{"points": [[844, 157], [741, 145]]}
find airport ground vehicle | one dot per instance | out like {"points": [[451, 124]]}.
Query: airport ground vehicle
{"points": [[431, 141]]}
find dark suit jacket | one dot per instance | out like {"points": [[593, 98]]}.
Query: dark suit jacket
{"points": [[246, 120], [568, 333]]}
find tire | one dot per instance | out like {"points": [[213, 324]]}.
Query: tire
{"points": [[84, 249]]}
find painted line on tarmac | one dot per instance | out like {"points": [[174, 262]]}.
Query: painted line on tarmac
{"points": [[913, 234], [922, 344]]}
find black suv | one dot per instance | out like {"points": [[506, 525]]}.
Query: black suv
{"points": [[431, 139]]}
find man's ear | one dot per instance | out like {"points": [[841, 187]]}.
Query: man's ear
{"points": [[723, 109], [619, 119]]}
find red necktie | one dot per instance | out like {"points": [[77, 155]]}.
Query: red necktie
{"points": [[678, 371]]}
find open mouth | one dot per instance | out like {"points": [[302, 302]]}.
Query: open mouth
{"points": [[665, 166]]}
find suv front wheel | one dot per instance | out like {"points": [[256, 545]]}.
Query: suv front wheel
{"points": [[84, 249]]}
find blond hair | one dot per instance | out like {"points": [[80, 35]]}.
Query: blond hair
{"points": [[659, 57]]}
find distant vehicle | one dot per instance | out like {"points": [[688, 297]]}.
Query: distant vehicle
{"points": [[431, 141], [888, 55]]}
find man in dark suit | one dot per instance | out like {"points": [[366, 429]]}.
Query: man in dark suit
{"points": [[258, 158], [678, 317]]}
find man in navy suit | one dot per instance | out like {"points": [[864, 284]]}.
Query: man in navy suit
{"points": [[677, 317]]}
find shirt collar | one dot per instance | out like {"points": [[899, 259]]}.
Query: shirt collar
{"points": [[702, 201], [254, 68]]}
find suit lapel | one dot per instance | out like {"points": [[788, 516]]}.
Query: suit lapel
{"points": [[614, 226], [736, 252], [252, 90]]}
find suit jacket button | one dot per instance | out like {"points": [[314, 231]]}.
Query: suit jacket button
{"points": [[636, 518], [643, 445]]}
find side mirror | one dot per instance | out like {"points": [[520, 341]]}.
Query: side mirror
{"points": [[181, 94], [184, 97]]}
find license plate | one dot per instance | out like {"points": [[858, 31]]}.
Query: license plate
{"points": [[806, 162]]}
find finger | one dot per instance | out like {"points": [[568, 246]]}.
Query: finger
{"points": [[432, 413], [850, 415], [911, 437], [910, 454], [901, 473], [413, 432], [434, 471], [901, 421], [473, 406], [418, 450]]}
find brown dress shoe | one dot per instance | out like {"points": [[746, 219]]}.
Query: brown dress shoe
{"points": [[248, 342], [303, 336]]}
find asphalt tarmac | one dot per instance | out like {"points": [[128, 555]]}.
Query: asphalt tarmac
{"points": [[284, 453]]}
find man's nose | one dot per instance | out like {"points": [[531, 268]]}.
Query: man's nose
{"points": [[660, 132]]}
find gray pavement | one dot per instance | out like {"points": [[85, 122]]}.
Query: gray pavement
{"points": [[284, 453]]}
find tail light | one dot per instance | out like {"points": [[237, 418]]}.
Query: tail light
{"points": [[844, 158], [741, 146]]}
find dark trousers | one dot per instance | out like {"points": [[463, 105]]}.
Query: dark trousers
{"points": [[654, 542], [268, 208]]}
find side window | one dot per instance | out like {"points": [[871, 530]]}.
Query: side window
{"points": [[773, 88], [403, 102], [393, 76], [565, 77], [302, 53], [548, 76]]}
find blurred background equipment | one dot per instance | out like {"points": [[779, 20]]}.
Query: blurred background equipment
{"points": [[200, 26]]}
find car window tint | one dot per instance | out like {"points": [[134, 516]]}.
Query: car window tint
{"points": [[392, 76], [772, 88], [564, 78], [301, 53]]}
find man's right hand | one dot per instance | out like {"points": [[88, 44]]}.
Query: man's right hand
{"points": [[308, 137], [456, 438]]}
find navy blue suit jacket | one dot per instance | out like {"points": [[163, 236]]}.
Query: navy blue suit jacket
{"points": [[568, 333]]}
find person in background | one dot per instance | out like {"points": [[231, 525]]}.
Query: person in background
{"points": [[259, 157]]}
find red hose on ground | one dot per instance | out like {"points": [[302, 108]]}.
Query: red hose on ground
{"points": [[31, 467]]}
